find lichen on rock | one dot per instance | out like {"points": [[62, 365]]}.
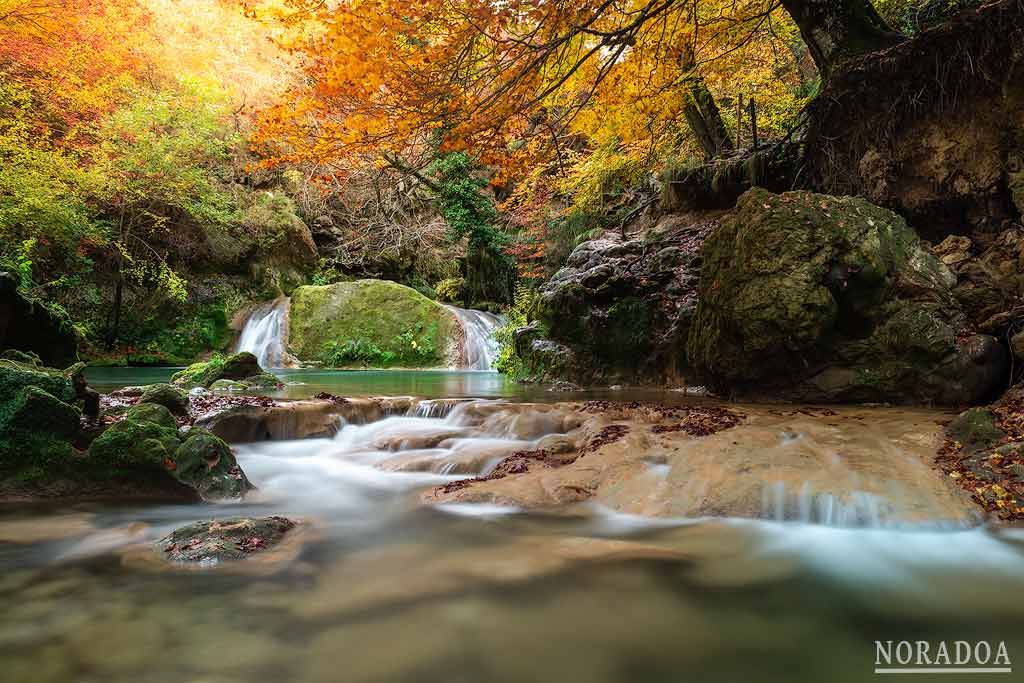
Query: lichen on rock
{"points": [[834, 299]]}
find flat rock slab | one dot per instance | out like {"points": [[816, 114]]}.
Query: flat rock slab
{"points": [[213, 541]]}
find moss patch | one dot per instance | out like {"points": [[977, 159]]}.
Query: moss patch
{"points": [[391, 324]]}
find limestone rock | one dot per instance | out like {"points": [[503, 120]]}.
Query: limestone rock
{"points": [[833, 299]]}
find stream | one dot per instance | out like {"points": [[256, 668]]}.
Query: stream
{"points": [[380, 586]]}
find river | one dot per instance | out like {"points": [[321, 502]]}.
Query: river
{"points": [[378, 586]]}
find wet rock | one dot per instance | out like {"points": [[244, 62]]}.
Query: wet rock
{"points": [[278, 420], [565, 387], [147, 436], [206, 463], [242, 368], [147, 445], [211, 542], [833, 299], [168, 396]]}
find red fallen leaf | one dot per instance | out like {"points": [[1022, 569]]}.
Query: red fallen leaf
{"points": [[251, 544]]}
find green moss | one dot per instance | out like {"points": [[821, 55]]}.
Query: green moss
{"points": [[147, 435], [975, 429], [391, 317], [15, 376], [795, 279], [241, 367], [170, 397], [206, 463]]}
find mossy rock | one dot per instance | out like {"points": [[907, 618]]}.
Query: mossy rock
{"points": [[210, 542], [240, 367], [148, 435], [36, 430], [975, 429], [827, 298], [38, 411], [385, 314], [228, 385], [168, 396], [26, 357], [206, 463], [15, 375]]}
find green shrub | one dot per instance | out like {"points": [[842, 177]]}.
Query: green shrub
{"points": [[450, 289], [517, 315]]}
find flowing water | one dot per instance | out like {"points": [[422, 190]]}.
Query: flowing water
{"points": [[265, 334], [378, 586], [479, 348]]}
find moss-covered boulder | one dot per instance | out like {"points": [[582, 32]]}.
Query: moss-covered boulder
{"points": [[168, 396], [147, 438], [371, 323], [833, 299], [206, 463], [147, 435], [242, 368]]}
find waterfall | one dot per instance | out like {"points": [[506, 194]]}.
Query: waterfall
{"points": [[479, 347], [265, 334]]}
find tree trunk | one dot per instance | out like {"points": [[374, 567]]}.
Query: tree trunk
{"points": [[115, 327], [835, 30], [706, 120]]}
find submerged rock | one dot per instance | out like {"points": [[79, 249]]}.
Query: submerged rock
{"points": [[211, 542], [387, 324], [833, 299]]}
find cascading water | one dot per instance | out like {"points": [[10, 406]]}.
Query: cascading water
{"points": [[265, 334], [479, 348]]}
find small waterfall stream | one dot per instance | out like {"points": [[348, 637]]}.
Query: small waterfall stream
{"points": [[265, 334], [480, 348]]}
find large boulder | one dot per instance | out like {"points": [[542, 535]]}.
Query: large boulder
{"points": [[826, 298], [29, 326], [371, 323], [620, 310], [147, 439], [38, 416]]}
